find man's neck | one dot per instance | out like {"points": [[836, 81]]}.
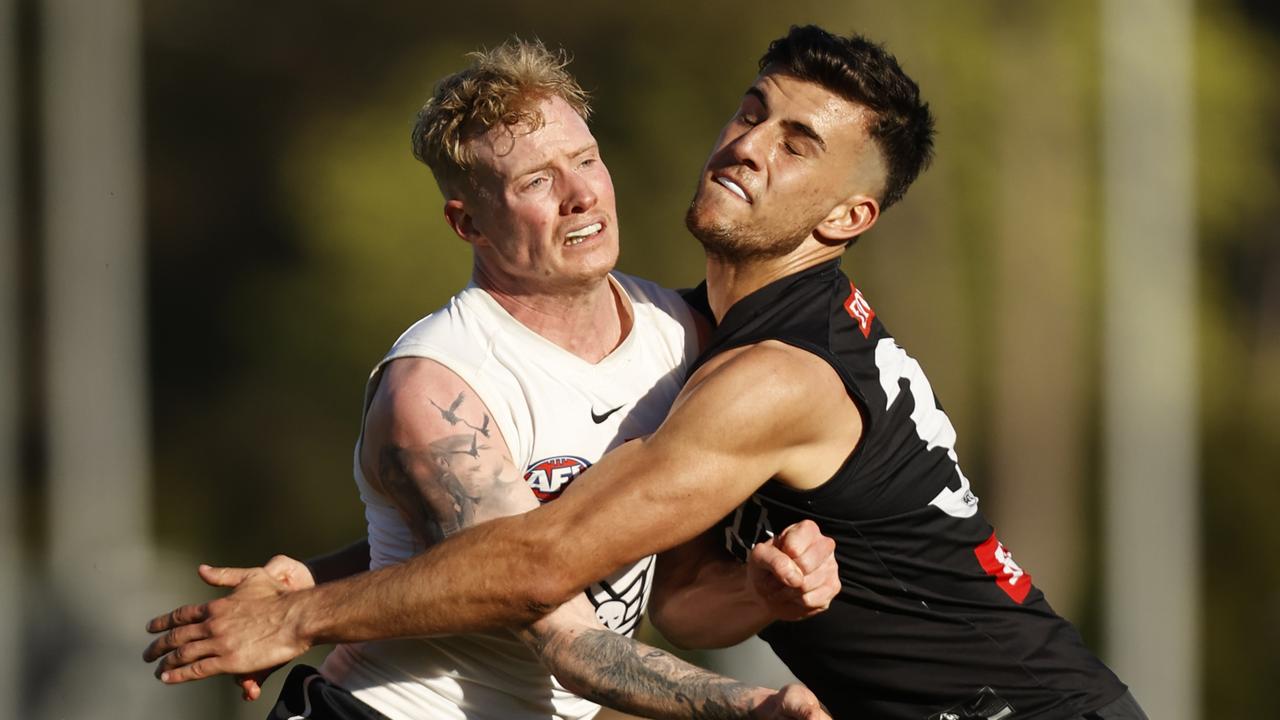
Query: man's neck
{"points": [[589, 322], [728, 281]]}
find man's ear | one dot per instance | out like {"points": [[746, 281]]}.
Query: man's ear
{"points": [[848, 220], [455, 213]]}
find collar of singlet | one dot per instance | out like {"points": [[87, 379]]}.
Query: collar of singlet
{"points": [[757, 302]]}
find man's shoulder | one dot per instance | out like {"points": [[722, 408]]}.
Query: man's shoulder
{"points": [[641, 290], [466, 319], [772, 372]]}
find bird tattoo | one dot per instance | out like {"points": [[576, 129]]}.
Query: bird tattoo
{"points": [[450, 415], [483, 429]]}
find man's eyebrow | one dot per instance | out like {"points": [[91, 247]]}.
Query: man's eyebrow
{"points": [[794, 126], [589, 147], [798, 127]]}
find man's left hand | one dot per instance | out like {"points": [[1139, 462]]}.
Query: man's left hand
{"points": [[244, 633]]}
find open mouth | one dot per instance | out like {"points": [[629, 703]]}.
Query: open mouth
{"points": [[732, 187], [577, 237]]}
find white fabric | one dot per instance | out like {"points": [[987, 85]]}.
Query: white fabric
{"points": [[542, 399]]}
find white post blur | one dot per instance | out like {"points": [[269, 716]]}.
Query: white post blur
{"points": [[1151, 462], [10, 538], [98, 499]]}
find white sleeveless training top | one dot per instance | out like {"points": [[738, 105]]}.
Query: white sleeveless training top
{"points": [[558, 414]]}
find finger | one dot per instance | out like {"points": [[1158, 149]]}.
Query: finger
{"points": [[826, 575], [250, 690], [778, 563], [187, 654], [799, 702], [820, 598], [223, 576], [814, 555], [794, 539], [184, 615], [174, 639], [293, 574], [198, 670]]}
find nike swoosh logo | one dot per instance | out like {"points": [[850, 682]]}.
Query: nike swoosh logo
{"points": [[597, 419]]}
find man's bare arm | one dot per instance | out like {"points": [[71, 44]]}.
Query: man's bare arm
{"points": [[704, 598], [628, 675], [759, 413]]}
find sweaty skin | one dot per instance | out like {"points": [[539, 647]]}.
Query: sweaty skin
{"points": [[648, 494], [443, 481], [716, 447]]}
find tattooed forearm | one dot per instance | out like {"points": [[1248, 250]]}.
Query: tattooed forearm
{"points": [[458, 480], [628, 675]]}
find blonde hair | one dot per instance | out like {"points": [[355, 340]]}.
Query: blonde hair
{"points": [[501, 86]]}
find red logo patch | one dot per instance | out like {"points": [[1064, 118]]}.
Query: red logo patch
{"points": [[999, 564], [548, 478], [860, 310]]}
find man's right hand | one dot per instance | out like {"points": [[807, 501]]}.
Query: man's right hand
{"points": [[792, 702], [795, 573], [247, 633]]}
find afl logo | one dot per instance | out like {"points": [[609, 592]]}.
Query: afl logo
{"points": [[548, 478]]}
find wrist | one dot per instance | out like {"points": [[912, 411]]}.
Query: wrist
{"points": [[306, 626], [754, 599], [756, 700]]}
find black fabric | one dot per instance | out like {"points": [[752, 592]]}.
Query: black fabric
{"points": [[696, 297], [306, 694], [933, 609], [1125, 708]]}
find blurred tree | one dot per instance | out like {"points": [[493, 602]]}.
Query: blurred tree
{"points": [[292, 237]]}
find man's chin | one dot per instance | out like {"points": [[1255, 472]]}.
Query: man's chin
{"points": [[709, 230]]}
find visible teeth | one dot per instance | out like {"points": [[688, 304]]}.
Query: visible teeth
{"points": [[588, 230], [733, 187]]}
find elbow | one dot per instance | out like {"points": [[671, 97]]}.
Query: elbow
{"points": [[664, 621]]}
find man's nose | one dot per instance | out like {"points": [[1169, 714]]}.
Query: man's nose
{"points": [[579, 196], [747, 149]]}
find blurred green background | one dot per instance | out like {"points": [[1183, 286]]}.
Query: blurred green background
{"points": [[290, 237]]}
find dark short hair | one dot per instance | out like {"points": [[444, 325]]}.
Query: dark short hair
{"points": [[864, 72]]}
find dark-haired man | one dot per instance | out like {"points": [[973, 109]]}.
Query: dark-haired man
{"points": [[803, 406]]}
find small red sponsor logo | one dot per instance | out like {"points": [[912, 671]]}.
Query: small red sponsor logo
{"points": [[860, 310], [999, 564], [548, 478]]}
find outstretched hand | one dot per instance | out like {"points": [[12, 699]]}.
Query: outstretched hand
{"points": [[248, 633], [795, 573], [792, 702]]}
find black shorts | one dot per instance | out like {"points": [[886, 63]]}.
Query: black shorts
{"points": [[306, 694]]}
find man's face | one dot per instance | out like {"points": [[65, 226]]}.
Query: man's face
{"points": [[544, 215], [789, 157]]}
